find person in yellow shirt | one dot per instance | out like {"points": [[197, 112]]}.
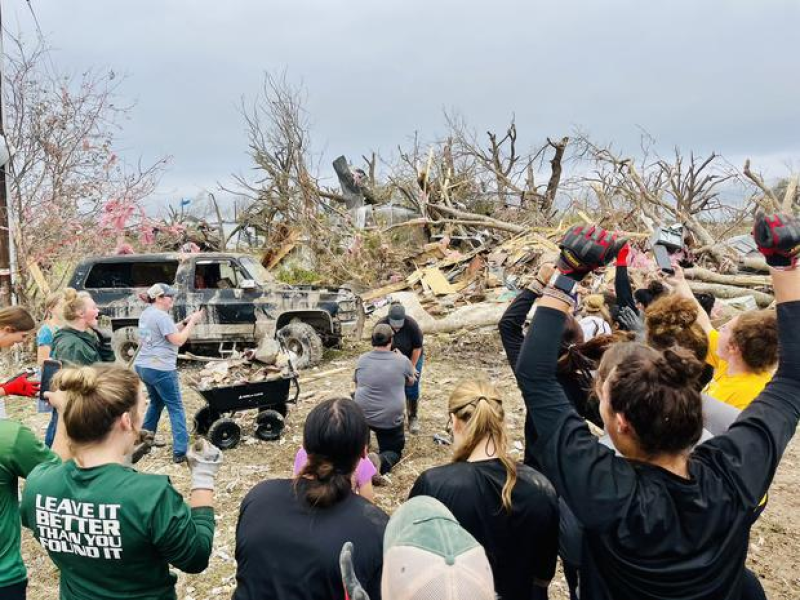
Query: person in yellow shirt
{"points": [[743, 353]]}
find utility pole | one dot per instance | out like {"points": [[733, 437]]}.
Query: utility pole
{"points": [[5, 229]]}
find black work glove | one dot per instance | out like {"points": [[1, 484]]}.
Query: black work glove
{"points": [[778, 239], [629, 320], [586, 249], [105, 340], [352, 586]]}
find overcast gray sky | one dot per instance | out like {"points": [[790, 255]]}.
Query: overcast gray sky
{"points": [[703, 74]]}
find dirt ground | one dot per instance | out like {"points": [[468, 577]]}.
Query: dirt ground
{"points": [[774, 545]]}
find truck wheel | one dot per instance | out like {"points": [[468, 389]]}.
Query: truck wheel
{"points": [[303, 344], [269, 425], [224, 434], [125, 342]]}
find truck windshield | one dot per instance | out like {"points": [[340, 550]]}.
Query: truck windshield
{"points": [[256, 270]]}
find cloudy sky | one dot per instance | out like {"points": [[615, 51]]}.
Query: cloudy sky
{"points": [[707, 75]]}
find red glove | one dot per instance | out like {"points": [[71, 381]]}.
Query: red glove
{"points": [[778, 239], [622, 256], [20, 386], [585, 249]]}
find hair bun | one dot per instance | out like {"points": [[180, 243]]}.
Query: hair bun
{"points": [[82, 380], [70, 294], [677, 366]]}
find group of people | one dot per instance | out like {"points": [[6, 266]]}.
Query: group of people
{"points": [[695, 421]]}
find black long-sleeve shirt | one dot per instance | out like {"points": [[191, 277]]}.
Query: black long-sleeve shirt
{"points": [[652, 534], [623, 290]]}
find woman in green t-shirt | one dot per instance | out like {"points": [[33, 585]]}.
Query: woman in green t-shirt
{"points": [[113, 532]]}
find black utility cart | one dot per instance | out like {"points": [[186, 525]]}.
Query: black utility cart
{"points": [[269, 398]]}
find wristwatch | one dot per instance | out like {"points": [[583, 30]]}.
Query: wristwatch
{"points": [[563, 283]]}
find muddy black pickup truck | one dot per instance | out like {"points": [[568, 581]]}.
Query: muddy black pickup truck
{"points": [[243, 303]]}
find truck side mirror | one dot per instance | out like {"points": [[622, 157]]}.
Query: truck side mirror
{"points": [[248, 285]]}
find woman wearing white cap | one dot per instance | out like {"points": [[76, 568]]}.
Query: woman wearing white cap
{"points": [[157, 363]]}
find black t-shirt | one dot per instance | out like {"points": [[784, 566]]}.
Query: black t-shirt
{"points": [[521, 546], [649, 534], [407, 338], [286, 549]]}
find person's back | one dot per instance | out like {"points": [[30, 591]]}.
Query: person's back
{"points": [[107, 529], [286, 548], [521, 544], [113, 532], [290, 531], [380, 387]]}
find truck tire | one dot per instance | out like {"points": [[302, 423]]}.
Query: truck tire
{"points": [[303, 343], [125, 342]]}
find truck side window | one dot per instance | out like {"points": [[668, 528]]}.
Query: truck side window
{"points": [[220, 275]]}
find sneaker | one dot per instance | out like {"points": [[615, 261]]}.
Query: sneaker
{"points": [[179, 458], [413, 425]]}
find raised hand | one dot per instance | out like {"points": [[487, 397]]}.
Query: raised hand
{"points": [[586, 249], [778, 239]]}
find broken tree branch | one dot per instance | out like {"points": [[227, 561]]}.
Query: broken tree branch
{"points": [[772, 203]]}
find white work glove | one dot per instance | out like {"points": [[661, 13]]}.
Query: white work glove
{"points": [[204, 460]]}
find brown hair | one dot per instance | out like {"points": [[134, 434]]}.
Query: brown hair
{"points": [[755, 333], [17, 318], [672, 321], [50, 303], [334, 437], [96, 397], [74, 304], [479, 405], [657, 393]]}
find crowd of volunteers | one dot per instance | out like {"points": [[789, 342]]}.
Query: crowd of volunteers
{"points": [[651, 441]]}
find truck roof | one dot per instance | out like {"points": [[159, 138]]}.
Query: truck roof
{"points": [[123, 258]]}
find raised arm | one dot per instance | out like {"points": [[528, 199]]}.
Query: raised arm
{"points": [[593, 482], [513, 319], [622, 281], [681, 287], [753, 446]]}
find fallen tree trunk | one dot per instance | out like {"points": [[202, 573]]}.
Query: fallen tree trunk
{"points": [[701, 274], [754, 263], [729, 291]]}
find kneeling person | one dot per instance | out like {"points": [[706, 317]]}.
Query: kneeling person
{"points": [[381, 377]]}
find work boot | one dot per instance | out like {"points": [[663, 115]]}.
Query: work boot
{"points": [[413, 421]]}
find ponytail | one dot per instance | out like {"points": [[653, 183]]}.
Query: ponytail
{"points": [[334, 437], [479, 406]]}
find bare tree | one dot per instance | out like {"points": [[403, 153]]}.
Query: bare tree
{"points": [[70, 193]]}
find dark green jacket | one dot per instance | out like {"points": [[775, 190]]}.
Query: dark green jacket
{"points": [[79, 348]]}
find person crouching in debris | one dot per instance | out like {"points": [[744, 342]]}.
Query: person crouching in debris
{"points": [[381, 377], [408, 342]]}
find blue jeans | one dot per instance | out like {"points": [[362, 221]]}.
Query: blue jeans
{"points": [[164, 389], [50, 434], [412, 391]]}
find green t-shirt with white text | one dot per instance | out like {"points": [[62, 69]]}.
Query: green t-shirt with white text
{"points": [[113, 532], [20, 452]]}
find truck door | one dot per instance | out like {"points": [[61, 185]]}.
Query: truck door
{"points": [[215, 285]]}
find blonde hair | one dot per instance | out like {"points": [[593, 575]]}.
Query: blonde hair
{"points": [[17, 318], [96, 397], [479, 406], [74, 304]]}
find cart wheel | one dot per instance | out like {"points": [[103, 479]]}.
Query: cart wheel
{"points": [[269, 425], [224, 434], [203, 419]]}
